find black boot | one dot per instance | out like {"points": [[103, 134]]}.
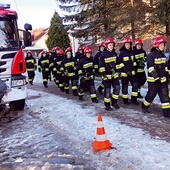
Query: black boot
{"points": [[100, 90], [115, 105], [45, 85], [145, 110], [140, 96], [67, 92], [75, 93], [135, 102], [108, 108], [81, 98], [94, 100], [62, 89]]}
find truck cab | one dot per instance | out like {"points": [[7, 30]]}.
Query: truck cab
{"points": [[12, 63]]}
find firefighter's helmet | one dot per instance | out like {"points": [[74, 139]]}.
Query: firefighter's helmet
{"points": [[60, 52], [138, 41], [68, 49], [87, 50], [110, 40], [29, 52], [102, 44], [127, 40], [44, 52], [80, 48], [158, 40]]}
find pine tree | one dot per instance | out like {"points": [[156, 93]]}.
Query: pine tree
{"points": [[57, 34], [118, 18]]}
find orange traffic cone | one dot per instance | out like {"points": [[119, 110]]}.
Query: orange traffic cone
{"points": [[101, 142]]}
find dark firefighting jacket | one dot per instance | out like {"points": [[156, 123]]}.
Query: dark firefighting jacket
{"points": [[157, 67], [96, 61], [52, 61], [68, 67], [44, 63], [140, 58], [57, 63], [127, 62], [86, 68], [108, 64], [31, 63]]}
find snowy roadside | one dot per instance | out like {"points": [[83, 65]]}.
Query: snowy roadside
{"points": [[77, 123]]}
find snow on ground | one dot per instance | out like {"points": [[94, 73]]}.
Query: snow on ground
{"points": [[135, 149]]}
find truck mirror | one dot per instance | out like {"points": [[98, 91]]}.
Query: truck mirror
{"points": [[27, 38], [27, 26]]}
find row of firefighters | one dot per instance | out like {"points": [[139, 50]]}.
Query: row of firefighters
{"points": [[128, 66]]}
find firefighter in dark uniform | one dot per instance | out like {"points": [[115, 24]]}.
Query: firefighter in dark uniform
{"points": [[102, 47], [43, 66], [157, 77], [57, 65], [86, 73], [108, 67], [128, 74], [68, 69], [31, 66], [140, 57], [52, 61]]}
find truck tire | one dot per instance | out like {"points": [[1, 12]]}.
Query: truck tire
{"points": [[17, 105]]}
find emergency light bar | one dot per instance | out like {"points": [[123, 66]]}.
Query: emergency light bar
{"points": [[5, 6]]}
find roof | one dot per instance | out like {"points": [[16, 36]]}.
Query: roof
{"points": [[43, 32]]}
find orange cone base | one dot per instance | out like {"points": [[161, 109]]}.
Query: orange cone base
{"points": [[99, 146]]}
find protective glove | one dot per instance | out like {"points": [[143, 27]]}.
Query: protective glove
{"points": [[129, 73], [87, 74], [104, 77]]}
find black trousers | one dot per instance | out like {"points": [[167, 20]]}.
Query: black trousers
{"points": [[141, 80], [162, 90], [125, 82], [107, 91], [73, 83], [31, 75], [91, 87], [45, 75]]}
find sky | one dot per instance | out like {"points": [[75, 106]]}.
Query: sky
{"points": [[38, 13]]}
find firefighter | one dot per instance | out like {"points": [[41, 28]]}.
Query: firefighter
{"points": [[31, 66], [108, 67], [128, 74], [78, 54], [43, 66], [53, 57], [86, 73], [140, 57], [157, 77], [68, 69], [57, 65], [102, 47], [49, 72]]}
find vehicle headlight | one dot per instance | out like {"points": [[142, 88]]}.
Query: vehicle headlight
{"points": [[16, 83]]}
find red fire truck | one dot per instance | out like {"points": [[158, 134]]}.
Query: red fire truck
{"points": [[12, 63]]}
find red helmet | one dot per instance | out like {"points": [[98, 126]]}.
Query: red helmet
{"points": [[44, 52], [138, 41], [102, 44], [60, 52], [110, 40], [29, 52], [127, 40], [87, 50], [68, 49], [56, 48], [158, 40], [80, 48]]}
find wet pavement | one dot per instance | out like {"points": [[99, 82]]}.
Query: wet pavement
{"points": [[28, 142]]}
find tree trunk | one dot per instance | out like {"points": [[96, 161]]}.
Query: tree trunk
{"points": [[167, 33]]}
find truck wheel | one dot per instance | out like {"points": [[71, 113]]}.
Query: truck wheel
{"points": [[17, 105]]}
